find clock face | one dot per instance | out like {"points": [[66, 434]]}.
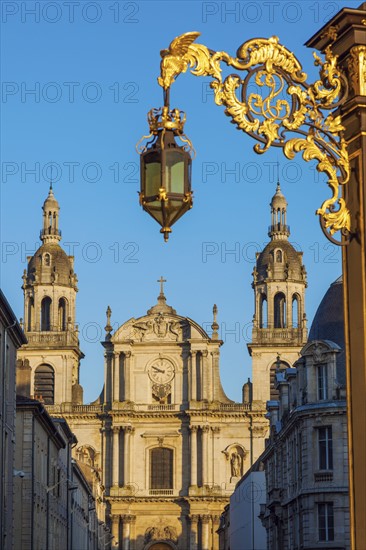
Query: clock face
{"points": [[161, 371]]}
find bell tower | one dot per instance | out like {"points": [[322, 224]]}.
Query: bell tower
{"points": [[279, 321], [52, 354]]}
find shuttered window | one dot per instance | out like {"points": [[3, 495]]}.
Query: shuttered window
{"points": [[44, 384], [161, 468]]}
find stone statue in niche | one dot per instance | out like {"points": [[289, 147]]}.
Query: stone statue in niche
{"points": [[236, 464]]}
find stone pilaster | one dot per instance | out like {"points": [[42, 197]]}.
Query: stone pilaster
{"points": [[116, 385], [127, 521], [115, 477], [205, 432], [205, 375], [193, 430], [193, 381], [194, 532], [128, 451], [205, 521], [115, 531]]}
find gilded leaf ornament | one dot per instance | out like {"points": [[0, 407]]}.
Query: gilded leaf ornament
{"points": [[283, 104]]}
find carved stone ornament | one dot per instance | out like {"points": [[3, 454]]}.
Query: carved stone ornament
{"points": [[161, 327], [357, 70], [318, 354], [160, 533]]}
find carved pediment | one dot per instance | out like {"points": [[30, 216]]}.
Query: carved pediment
{"points": [[153, 327]]}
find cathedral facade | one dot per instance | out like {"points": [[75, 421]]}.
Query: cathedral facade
{"points": [[163, 442]]}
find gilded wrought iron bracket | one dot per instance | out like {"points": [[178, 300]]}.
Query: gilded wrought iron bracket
{"points": [[289, 113]]}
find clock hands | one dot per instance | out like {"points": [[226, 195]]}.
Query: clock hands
{"points": [[159, 370]]}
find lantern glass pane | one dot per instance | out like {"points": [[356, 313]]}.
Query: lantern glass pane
{"points": [[174, 172], [152, 178]]}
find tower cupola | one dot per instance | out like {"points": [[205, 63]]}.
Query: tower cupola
{"points": [[278, 228], [50, 231]]}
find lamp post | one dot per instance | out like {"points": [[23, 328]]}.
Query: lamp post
{"points": [[326, 121]]}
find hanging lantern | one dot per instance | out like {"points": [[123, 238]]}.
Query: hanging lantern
{"points": [[165, 169]]}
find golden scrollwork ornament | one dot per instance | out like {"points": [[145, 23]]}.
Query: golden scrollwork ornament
{"points": [[288, 112]]}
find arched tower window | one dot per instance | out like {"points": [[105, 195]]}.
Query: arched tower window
{"points": [[280, 310], [30, 314], [44, 384], [62, 314], [278, 256], [263, 312], [161, 468], [46, 313], [278, 366], [47, 260], [295, 311]]}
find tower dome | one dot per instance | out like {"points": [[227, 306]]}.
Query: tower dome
{"points": [[278, 229], [328, 324], [51, 209], [50, 264], [278, 199]]}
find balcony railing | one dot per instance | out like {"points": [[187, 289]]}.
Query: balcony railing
{"points": [[323, 476], [50, 231], [279, 227], [70, 408], [52, 337], [161, 492], [278, 335]]}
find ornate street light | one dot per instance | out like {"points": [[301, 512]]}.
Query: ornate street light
{"points": [[165, 168], [288, 107]]}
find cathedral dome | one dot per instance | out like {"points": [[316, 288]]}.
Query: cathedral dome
{"points": [[290, 256], [51, 260], [328, 323]]}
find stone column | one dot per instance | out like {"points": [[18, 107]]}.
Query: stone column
{"points": [[126, 524], [194, 532], [115, 465], [193, 389], [205, 430], [194, 455], [205, 377], [114, 532], [116, 396], [205, 520]]}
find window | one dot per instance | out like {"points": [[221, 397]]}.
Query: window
{"points": [[295, 312], [326, 521], [161, 468], [279, 310], [46, 313], [44, 384], [325, 446], [322, 382], [263, 315], [278, 256], [62, 314], [30, 314], [47, 260]]}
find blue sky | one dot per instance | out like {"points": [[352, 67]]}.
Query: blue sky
{"points": [[93, 67]]}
